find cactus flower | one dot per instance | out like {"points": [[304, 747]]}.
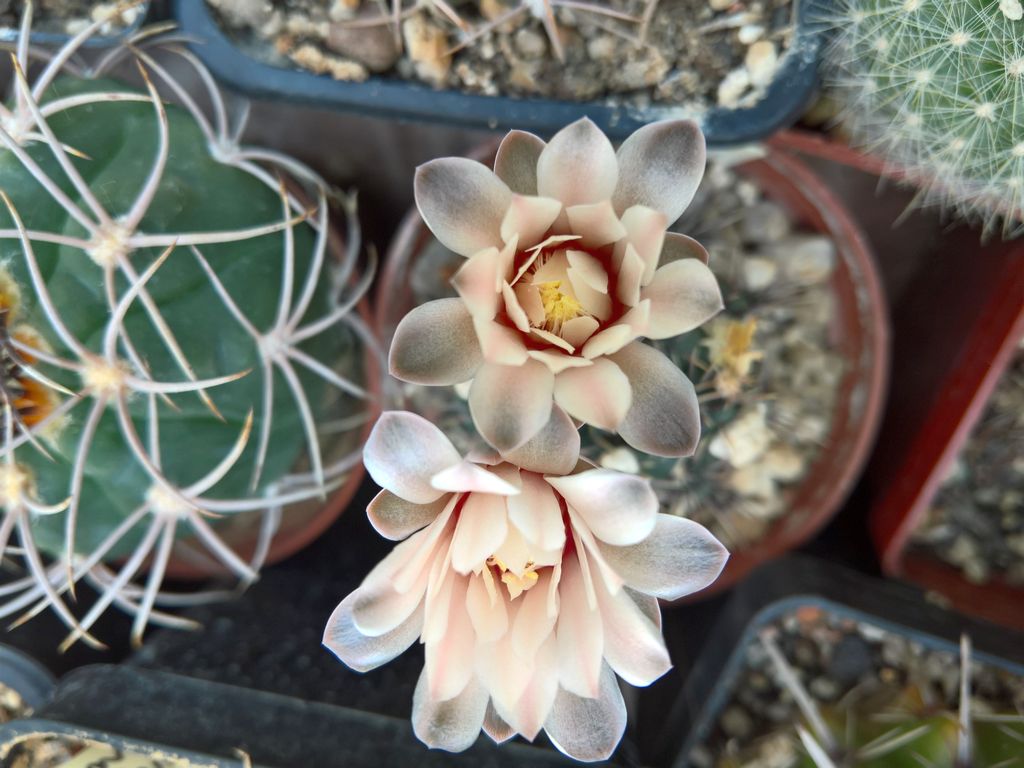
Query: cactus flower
{"points": [[532, 580], [568, 265]]}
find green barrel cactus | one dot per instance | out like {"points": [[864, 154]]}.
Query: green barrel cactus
{"points": [[179, 344], [937, 88], [905, 728]]}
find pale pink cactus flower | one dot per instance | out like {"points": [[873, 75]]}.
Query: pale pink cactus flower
{"points": [[531, 585], [563, 243]]}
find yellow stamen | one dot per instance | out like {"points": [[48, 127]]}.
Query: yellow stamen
{"points": [[515, 583], [558, 307]]}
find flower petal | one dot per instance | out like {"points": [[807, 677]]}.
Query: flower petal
{"points": [[499, 343], [537, 513], [451, 725], [515, 311], [554, 450], [588, 729], [679, 246], [363, 653], [608, 341], [557, 361], [478, 282], [631, 274], [645, 230], [578, 165], [467, 477], [529, 299], [664, 419], [404, 451], [618, 508], [579, 634], [496, 728], [462, 202], [482, 527], [511, 404], [449, 661], [516, 161], [684, 295], [395, 518], [589, 268], [487, 612], [598, 394], [436, 344], [579, 329], [660, 166], [538, 698], [595, 223], [633, 645], [528, 219], [679, 558]]}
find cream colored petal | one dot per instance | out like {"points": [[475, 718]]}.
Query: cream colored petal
{"points": [[578, 165], [554, 450], [538, 698], [529, 219], [557, 361], [516, 161], [395, 518], [597, 395], [487, 612], [680, 557], [499, 343], [661, 166], [579, 329], [589, 268], [618, 508], [608, 341], [684, 295], [361, 652], [534, 622], [404, 451], [579, 633], [596, 223], [449, 662], [469, 477], [529, 300], [380, 608], [452, 725], [436, 344], [478, 282], [633, 645], [462, 202], [638, 318], [664, 419], [511, 404], [496, 727], [481, 529], [551, 338], [588, 729], [515, 311], [682, 247], [631, 274], [555, 268], [645, 231], [537, 513]]}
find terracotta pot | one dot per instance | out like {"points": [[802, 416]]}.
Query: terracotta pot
{"points": [[975, 322], [861, 336], [301, 523]]}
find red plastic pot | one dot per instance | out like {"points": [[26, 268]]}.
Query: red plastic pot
{"points": [[300, 524], [860, 333]]}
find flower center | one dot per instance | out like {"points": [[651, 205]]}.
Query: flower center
{"points": [[559, 307], [515, 583]]}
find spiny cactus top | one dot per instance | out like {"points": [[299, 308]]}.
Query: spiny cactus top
{"points": [[177, 342], [938, 88]]}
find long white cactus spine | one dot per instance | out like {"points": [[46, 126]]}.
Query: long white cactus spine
{"points": [[116, 374]]}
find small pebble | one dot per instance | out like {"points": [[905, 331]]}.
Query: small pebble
{"points": [[530, 44], [720, 5], [759, 272], [750, 33], [761, 61], [732, 88]]}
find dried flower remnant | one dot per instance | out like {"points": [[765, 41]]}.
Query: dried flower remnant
{"points": [[531, 579], [562, 244]]}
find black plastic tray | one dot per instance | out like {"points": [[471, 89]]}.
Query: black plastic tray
{"points": [[776, 590], [783, 103], [190, 717], [18, 671]]}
